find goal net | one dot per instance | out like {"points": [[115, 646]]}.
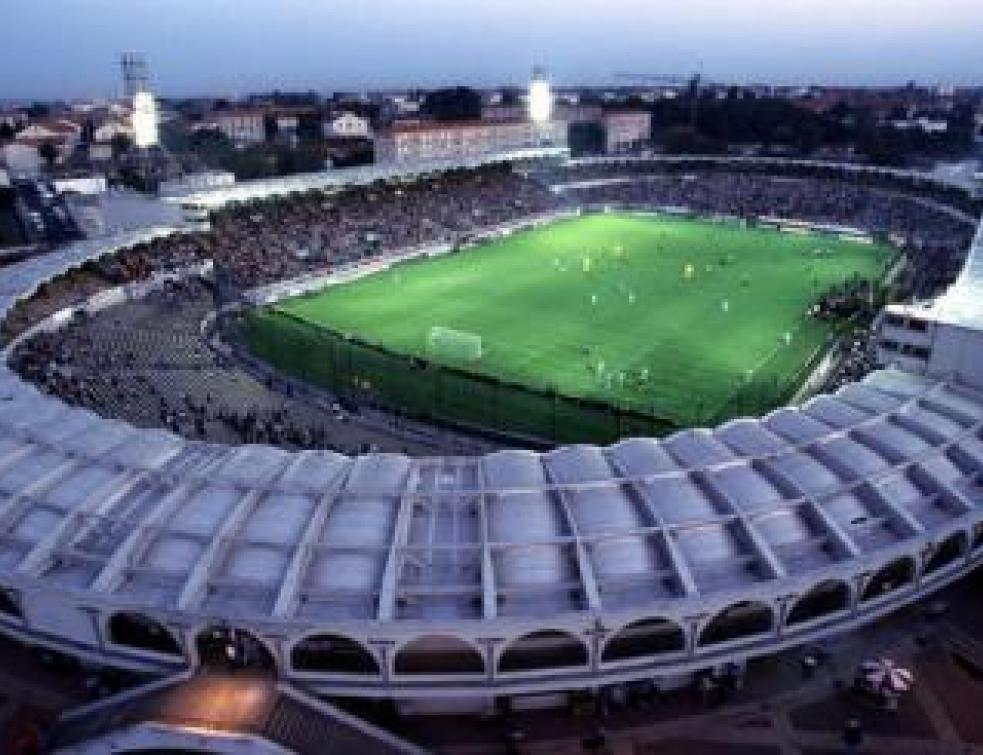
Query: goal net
{"points": [[448, 344]]}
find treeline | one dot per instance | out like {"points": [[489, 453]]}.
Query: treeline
{"points": [[275, 158], [715, 125]]}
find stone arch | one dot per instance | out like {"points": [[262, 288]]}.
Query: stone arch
{"points": [[823, 599], [224, 646], [738, 621], [545, 649], [332, 653], [135, 630], [892, 576], [438, 654], [652, 636], [949, 550]]}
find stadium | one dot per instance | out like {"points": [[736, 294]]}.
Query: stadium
{"points": [[179, 487]]}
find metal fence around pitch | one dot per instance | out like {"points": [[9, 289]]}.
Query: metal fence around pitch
{"points": [[414, 387]]}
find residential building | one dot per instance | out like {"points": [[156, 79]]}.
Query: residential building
{"points": [[63, 134], [21, 159], [241, 126], [100, 153], [347, 124], [105, 133], [626, 130], [425, 141], [13, 118]]}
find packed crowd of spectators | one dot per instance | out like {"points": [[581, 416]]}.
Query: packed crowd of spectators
{"points": [[857, 357], [269, 240], [869, 179], [147, 361], [936, 240]]}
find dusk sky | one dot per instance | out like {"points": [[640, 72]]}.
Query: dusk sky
{"points": [[69, 48]]}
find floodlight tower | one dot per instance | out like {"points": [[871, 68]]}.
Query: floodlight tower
{"points": [[143, 113], [136, 86], [135, 78], [540, 107], [540, 103]]}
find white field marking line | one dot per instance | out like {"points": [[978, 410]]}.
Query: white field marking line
{"points": [[745, 379]]}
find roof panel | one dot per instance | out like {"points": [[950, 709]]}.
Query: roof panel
{"points": [[678, 499], [313, 472], [750, 437], [867, 397], [807, 472], [278, 519], [256, 563], [578, 464], [796, 426], [146, 449], [859, 459], [697, 448], [834, 412], [360, 522], [746, 487], [513, 469], [250, 466], [30, 469], [378, 474], [79, 485], [173, 553], [639, 457], [203, 513]]}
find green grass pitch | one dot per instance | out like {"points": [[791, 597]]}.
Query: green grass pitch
{"points": [[673, 316]]}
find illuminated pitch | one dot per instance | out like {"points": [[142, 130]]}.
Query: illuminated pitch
{"points": [[600, 307]]}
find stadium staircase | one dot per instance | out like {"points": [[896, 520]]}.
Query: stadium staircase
{"points": [[225, 711]]}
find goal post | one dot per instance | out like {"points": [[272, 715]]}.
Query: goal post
{"points": [[453, 345]]}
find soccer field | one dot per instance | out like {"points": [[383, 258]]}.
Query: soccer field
{"points": [[675, 317]]}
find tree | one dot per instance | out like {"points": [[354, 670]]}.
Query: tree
{"points": [[6, 132], [686, 141], [454, 104], [88, 131], [49, 153], [121, 144], [270, 127], [586, 138], [309, 126], [38, 110], [511, 96]]}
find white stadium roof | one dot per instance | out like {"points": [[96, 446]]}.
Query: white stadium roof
{"points": [[94, 504]]}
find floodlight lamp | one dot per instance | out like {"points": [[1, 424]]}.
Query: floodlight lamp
{"points": [[144, 120], [540, 100]]}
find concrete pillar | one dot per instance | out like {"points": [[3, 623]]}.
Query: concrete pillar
{"points": [[488, 645], [859, 584], [692, 629], [784, 605], [596, 632], [384, 651]]}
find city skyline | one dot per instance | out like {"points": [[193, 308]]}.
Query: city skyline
{"points": [[226, 49]]}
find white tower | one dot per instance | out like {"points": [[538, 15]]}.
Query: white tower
{"points": [[540, 97], [144, 120], [136, 83]]}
